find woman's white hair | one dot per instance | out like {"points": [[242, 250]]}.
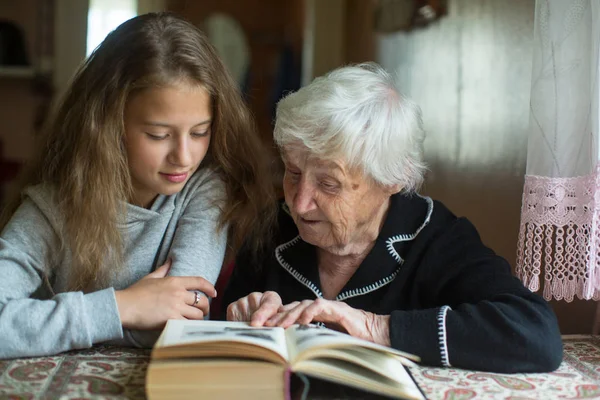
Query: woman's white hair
{"points": [[357, 113]]}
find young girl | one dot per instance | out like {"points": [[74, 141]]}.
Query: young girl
{"points": [[148, 165]]}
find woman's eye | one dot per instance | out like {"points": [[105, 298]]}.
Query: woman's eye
{"points": [[292, 174], [156, 137], [329, 186]]}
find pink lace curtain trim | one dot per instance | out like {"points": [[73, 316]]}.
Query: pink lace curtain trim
{"points": [[560, 233]]}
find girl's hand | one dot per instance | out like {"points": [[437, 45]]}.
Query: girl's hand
{"points": [[156, 298], [255, 308]]}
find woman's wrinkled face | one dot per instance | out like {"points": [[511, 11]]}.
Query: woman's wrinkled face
{"points": [[333, 206]]}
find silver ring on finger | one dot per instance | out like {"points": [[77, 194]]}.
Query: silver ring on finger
{"points": [[197, 299]]}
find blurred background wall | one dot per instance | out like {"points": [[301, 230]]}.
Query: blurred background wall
{"points": [[467, 63]]}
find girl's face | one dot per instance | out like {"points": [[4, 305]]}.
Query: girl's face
{"points": [[167, 133]]}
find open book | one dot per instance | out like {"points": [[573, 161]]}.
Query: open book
{"points": [[233, 360]]}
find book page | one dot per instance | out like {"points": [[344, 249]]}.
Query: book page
{"points": [[341, 358], [181, 332], [354, 375], [307, 338]]}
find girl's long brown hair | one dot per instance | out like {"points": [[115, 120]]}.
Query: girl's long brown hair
{"points": [[81, 154]]}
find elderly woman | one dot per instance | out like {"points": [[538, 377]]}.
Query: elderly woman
{"points": [[357, 249]]}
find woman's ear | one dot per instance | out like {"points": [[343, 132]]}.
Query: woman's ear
{"points": [[393, 189]]}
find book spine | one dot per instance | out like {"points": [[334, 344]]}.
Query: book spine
{"points": [[287, 381]]}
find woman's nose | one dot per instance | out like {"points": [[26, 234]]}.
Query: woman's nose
{"points": [[304, 200]]}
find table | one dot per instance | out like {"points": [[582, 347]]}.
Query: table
{"points": [[106, 372]]}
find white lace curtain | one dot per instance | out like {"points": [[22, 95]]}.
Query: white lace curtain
{"points": [[559, 238]]}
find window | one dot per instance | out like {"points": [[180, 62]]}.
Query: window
{"points": [[106, 15]]}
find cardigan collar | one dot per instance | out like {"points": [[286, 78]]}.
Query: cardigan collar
{"points": [[407, 216]]}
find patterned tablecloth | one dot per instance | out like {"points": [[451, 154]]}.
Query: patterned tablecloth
{"points": [[110, 373]]}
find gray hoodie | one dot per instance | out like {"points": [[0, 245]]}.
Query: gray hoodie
{"points": [[39, 317]]}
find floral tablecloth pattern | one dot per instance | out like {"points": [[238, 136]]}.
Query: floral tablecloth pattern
{"points": [[102, 372], [577, 378], [106, 372]]}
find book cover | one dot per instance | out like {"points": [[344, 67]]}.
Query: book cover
{"points": [[229, 359]]}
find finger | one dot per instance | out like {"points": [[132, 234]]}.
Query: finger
{"points": [[334, 314], [263, 314], [272, 296], [197, 283], [317, 311], [289, 318], [232, 312], [288, 307], [202, 303], [274, 320], [267, 309], [193, 313], [269, 304], [282, 312], [243, 308], [161, 271], [304, 314], [238, 310], [254, 300]]}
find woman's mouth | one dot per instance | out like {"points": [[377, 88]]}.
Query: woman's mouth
{"points": [[309, 221]]}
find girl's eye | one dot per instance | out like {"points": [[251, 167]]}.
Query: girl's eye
{"points": [[201, 134], [156, 137]]}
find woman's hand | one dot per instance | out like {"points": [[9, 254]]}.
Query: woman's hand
{"points": [[337, 315], [255, 308], [150, 302]]}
